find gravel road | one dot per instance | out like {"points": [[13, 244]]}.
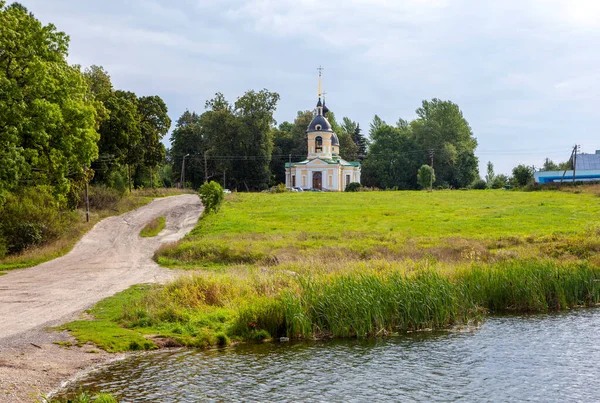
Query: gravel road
{"points": [[109, 258]]}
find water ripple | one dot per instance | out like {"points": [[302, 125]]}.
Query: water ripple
{"points": [[538, 358]]}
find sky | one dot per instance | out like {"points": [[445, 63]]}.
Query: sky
{"points": [[525, 73]]}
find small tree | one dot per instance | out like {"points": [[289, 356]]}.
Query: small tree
{"points": [[522, 175], [426, 177], [489, 178], [212, 196]]}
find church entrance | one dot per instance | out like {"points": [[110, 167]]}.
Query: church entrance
{"points": [[317, 180]]}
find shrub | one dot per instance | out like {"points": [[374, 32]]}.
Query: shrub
{"points": [[101, 198], [280, 188], [212, 196], [499, 181], [31, 216], [479, 184], [353, 187]]}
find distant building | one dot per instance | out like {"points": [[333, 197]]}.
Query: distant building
{"points": [[587, 168], [323, 168]]}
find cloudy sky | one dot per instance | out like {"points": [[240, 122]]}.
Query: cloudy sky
{"points": [[526, 73]]}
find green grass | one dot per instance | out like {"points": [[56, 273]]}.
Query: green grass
{"points": [[82, 397], [276, 228], [154, 227], [365, 264]]}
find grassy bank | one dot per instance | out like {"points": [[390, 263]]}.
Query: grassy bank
{"points": [[360, 264], [154, 227], [103, 208], [366, 299]]}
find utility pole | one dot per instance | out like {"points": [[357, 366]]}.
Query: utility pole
{"points": [[205, 169], [575, 149], [290, 172], [129, 176], [87, 199], [571, 158], [183, 171], [431, 152]]}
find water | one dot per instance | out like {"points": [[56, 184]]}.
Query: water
{"points": [[513, 358]]}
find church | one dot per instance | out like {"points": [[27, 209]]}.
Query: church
{"points": [[323, 168]]}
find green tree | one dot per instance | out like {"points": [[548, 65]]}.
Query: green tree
{"points": [[522, 175], [186, 139], [390, 161], [426, 177], [154, 123], [549, 165], [348, 149], [254, 115], [440, 126], [489, 178], [47, 123]]}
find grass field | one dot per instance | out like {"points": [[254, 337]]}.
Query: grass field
{"points": [[361, 264], [448, 225]]}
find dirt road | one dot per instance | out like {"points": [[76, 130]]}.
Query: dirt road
{"points": [[108, 259]]}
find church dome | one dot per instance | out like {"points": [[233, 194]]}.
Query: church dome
{"points": [[319, 124], [334, 140]]}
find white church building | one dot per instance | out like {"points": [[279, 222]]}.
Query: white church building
{"points": [[323, 168]]}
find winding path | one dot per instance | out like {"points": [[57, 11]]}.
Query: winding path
{"points": [[108, 259]]}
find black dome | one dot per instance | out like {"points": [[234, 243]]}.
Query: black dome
{"points": [[334, 140], [321, 121]]}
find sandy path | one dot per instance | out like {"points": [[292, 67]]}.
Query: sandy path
{"points": [[108, 259]]}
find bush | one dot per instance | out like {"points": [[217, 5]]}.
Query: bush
{"points": [[101, 198], [479, 184], [353, 187], [212, 196], [31, 216], [522, 175], [499, 182]]}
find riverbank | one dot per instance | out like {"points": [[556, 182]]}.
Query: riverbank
{"points": [[360, 265]]}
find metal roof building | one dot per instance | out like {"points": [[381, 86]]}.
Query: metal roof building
{"points": [[587, 168]]}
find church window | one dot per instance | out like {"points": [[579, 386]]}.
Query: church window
{"points": [[293, 181], [347, 180], [318, 127], [318, 144], [330, 180]]}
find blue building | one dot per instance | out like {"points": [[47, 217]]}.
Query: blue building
{"points": [[587, 168]]}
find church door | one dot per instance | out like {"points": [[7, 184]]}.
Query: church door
{"points": [[317, 180]]}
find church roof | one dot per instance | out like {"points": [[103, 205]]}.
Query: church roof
{"points": [[334, 140], [321, 121]]}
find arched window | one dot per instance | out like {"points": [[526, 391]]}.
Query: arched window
{"points": [[318, 144]]}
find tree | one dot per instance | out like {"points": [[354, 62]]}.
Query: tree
{"points": [[154, 124], [254, 115], [348, 150], [426, 177], [47, 123], [549, 165], [186, 139], [489, 178], [289, 141], [352, 129], [440, 126], [391, 161], [375, 125], [522, 175]]}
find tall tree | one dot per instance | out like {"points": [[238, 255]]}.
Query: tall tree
{"points": [[154, 124], [441, 127], [348, 149], [47, 133], [490, 176], [391, 161], [186, 139], [254, 115]]}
